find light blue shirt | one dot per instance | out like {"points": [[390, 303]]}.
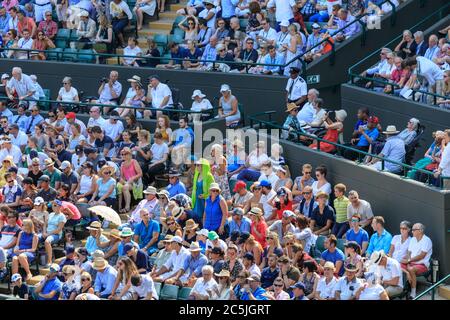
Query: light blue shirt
{"points": [[350, 30], [91, 243], [307, 113], [313, 40], [7, 113], [379, 243], [33, 122], [176, 188], [394, 149], [194, 265], [4, 23], [104, 281], [210, 53], [243, 227], [431, 53], [278, 59], [377, 68], [21, 121], [228, 8]]}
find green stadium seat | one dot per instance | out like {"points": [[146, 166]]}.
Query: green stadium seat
{"points": [[184, 293], [161, 49], [73, 35], [45, 105], [177, 20], [179, 32], [157, 287], [169, 292], [243, 24], [340, 244], [160, 39], [69, 54], [61, 43], [320, 243], [166, 58], [86, 56], [175, 38], [63, 34], [54, 54]]}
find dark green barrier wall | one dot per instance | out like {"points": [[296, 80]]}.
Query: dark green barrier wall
{"points": [[393, 110], [390, 196]]}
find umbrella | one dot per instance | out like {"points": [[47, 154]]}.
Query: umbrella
{"points": [[107, 213]]}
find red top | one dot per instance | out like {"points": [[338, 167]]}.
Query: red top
{"points": [[284, 207], [73, 208], [5, 220], [261, 227]]}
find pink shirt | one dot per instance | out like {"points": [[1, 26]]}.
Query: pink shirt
{"points": [[129, 171], [73, 208], [8, 4]]}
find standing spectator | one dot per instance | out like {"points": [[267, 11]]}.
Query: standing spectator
{"points": [[25, 23], [216, 211], [417, 258], [22, 85], [341, 203], [158, 94], [381, 239]]}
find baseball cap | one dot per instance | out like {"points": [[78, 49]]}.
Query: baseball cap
{"points": [[239, 185], [59, 142], [249, 256], [89, 150], [34, 154], [127, 247], [177, 239], [54, 268], [254, 277], [13, 169], [284, 23], [315, 26], [5, 76], [288, 214], [82, 251], [265, 183], [69, 249], [27, 180], [224, 87], [373, 119], [212, 235], [243, 237], [298, 285], [203, 232], [64, 165], [38, 201], [71, 115], [15, 277], [238, 212], [44, 178], [294, 70]]}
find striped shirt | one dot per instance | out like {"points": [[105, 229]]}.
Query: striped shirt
{"points": [[340, 206]]}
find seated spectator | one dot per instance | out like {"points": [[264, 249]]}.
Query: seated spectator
{"points": [[146, 233], [368, 135], [50, 287], [444, 166], [26, 43], [25, 250], [391, 273], [400, 242], [381, 239], [41, 43], [310, 278], [48, 26], [417, 258], [191, 56], [86, 31], [228, 106], [394, 150], [20, 288], [345, 18], [357, 234], [133, 53], [175, 262], [253, 289], [278, 293], [143, 287], [267, 174], [272, 61], [371, 289], [144, 6], [333, 254], [105, 192], [105, 278], [334, 132], [139, 257], [318, 116], [300, 183], [205, 31], [327, 283], [347, 286], [288, 272], [204, 286], [352, 252], [121, 15], [193, 7], [322, 218], [221, 32]]}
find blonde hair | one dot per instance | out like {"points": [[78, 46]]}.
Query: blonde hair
{"points": [[145, 134], [28, 223]]}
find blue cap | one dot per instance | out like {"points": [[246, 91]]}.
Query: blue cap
{"points": [[58, 141], [33, 154], [299, 285], [249, 256], [127, 247], [265, 183], [69, 249], [58, 202]]}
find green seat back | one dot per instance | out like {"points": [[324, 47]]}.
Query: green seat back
{"points": [[320, 243], [63, 34], [179, 32], [157, 287], [184, 293], [85, 55], [243, 24], [340, 244], [69, 54], [54, 54], [169, 292], [160, 39], [176, 38]]}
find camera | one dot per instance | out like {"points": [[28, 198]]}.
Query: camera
{"points": [[278, 204], [104, 80]]}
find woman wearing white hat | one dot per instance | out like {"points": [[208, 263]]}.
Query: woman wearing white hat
{"points": [[334, 131], [200, 103], [228, 106]]}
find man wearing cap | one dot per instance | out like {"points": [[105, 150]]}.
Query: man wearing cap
{"points": [[45, 190], [174, 263], [61, 153], [298, 290], [346, 286], [366, 137], [68, 176], [268, 194], [53, 173], [296, 88], [314, 38], [253, 289], [95, 237], [50, 287], [241, 195], [237, 221], [283, 36], [146, 233], [158, 94], [192, 267], [149, 203], [175, 186], [139, 257], [283, 226], [86, 30], [390, 271], [71, 118], [18, 138], [105, 278], [8, 149]]}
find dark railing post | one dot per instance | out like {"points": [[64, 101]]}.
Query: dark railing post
{"points": [[382, 164], [333, 52], [364, 31]]}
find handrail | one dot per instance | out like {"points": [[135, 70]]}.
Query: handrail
{"points": [[395, 40], [89, 104], [361, 154], [433, 287]]}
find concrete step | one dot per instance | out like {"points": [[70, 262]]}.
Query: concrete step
{"points": [[144, 33], [168, 14], [44, 271], [161, 25], [35, 280], [444, 292], [176, 7]]}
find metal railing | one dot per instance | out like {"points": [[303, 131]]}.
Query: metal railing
{"points": [[269, 124], [433, 288], [355, 71], [69, 55]]}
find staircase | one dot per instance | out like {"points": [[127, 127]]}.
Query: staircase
{"points": [[161, 26]]}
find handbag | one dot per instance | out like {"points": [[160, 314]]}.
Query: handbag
{"points": [[100, 47], [138, 190]]}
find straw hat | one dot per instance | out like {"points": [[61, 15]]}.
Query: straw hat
{"points": [[194, 247], [322, 194], [9, 159], [329, 265], [177, 212], [99, 264], [376, 257], [115, 234], [134, 78], [95, 225], [391, 130], [151, 190], [291, 106], [256, 211], [214, 186], [223, 273], [190, 224]]}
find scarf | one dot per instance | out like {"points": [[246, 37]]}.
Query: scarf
{"points": [[207, 180]]}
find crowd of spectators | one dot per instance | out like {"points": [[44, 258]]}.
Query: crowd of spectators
{"points": [[273, 32], [415, 67], [229, 226]]}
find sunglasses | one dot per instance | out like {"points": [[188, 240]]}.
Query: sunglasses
{"points": [[307, 192], [170, 224], [35, 165], [404, 228], [4, 122], [124, 153], [356, 220], [10, 181], [84, 279], [65, 83], [215, 191], [51, 115], [107, 172], [277, 285], [307, 172], [257, 188]]}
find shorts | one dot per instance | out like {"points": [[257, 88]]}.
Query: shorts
{"points": [[30, 256], [54, 238], [420, 268]]}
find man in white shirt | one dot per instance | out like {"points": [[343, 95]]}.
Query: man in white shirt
{"points": [[9, 149], [390, 272], [346, 286], [18, 138], [296, 88], [266, 34], [175, 261], [417, 259], [21, 84], [421, 66], [143, 287], [159, 94], [204, 286], [283, 9], [24, 43], [95, 118], [267, 173], [444, 165], [307, 112], [433, 48], [267, 195], [110, 90], [114, 127]]}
